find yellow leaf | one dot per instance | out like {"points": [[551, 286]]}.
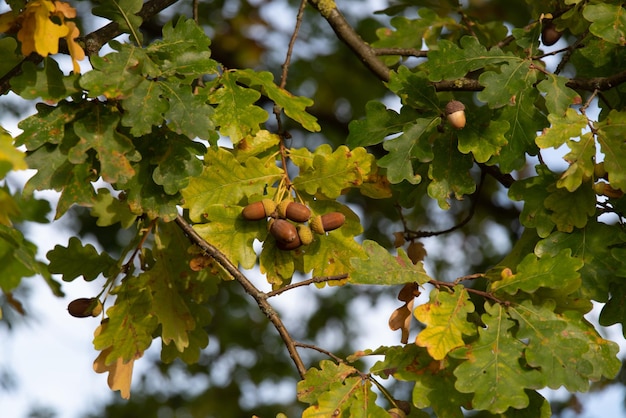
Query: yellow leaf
{"points": [[76, 51], [120, 373], [62, 9]]}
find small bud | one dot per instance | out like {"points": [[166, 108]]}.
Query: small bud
{"points": [[455, 113]]}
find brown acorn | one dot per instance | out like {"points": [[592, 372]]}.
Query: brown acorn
{"points": [[455, 113], [288, 246], [333, 220], [549, 34], [284, 231], [259, 210], [297, 212], [84, 307]]}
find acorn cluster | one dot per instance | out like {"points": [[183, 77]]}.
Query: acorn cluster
{"points": [[292, 224]]}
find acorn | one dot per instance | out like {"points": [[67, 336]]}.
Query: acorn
{"points": [[327, 222], [305, 234], [294, 211], [284, 231], [84, 307], [549, 34], [455, 113], [259, 210], [288, 246]]}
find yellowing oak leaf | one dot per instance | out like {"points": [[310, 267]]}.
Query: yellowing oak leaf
{"points": [[120, 372], [445, 316]]}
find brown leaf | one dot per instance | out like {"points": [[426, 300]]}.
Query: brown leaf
{"points": [[399, 239], [416, 251], [401, 319], [409, 291]]}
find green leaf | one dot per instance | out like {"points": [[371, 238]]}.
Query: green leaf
{"points": [[571, 209], [502, 88], [118, 73], [97, 131], [450, 61], [415, 90], [188, 114], [483, 138], [77, 260], [47, 125], [144, 108], [49, 82], [335, 393], [382, 268], [610, 135], [593, 245], [614, 311], [122, 12], [318, 381], [412, 146], [226, 181], [449, 173], [492, 369], [558, 96], [177, 161], [608, 21], [534, 191], [78, 189], [110, 210], [8, 48], [328, 174], [130, 324], [231, 233], [525, 120], [236, 113], [533, 273], [17, 258], [378, 123], [445, 317], [555, 352], [434, 381], [294, 106]]}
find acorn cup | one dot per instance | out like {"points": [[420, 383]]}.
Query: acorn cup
{"points": [[327, 222], [455, 113]]}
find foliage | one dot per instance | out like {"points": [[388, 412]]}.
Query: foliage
{"points": [[163, 139]]}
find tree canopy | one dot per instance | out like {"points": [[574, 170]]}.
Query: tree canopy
{"points": [[472, 152]]}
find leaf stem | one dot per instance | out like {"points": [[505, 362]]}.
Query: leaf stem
{"points": [[259, 297]]}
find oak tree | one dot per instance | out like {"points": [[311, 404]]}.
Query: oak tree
{"points": [[427, 122]]}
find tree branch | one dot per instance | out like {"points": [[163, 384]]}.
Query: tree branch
{"points": [[348, 35], [259, 296]]}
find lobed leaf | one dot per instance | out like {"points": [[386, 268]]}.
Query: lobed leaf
{"points": [[77, 260], [492, 370], [382, 268], [445, 317], [533, 273], [226, 181]]}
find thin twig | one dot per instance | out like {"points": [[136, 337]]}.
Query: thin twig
{"points": [[292, 42], [486, 295], [321, 350], [405, 52], [306, 283], [259, 297]]}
